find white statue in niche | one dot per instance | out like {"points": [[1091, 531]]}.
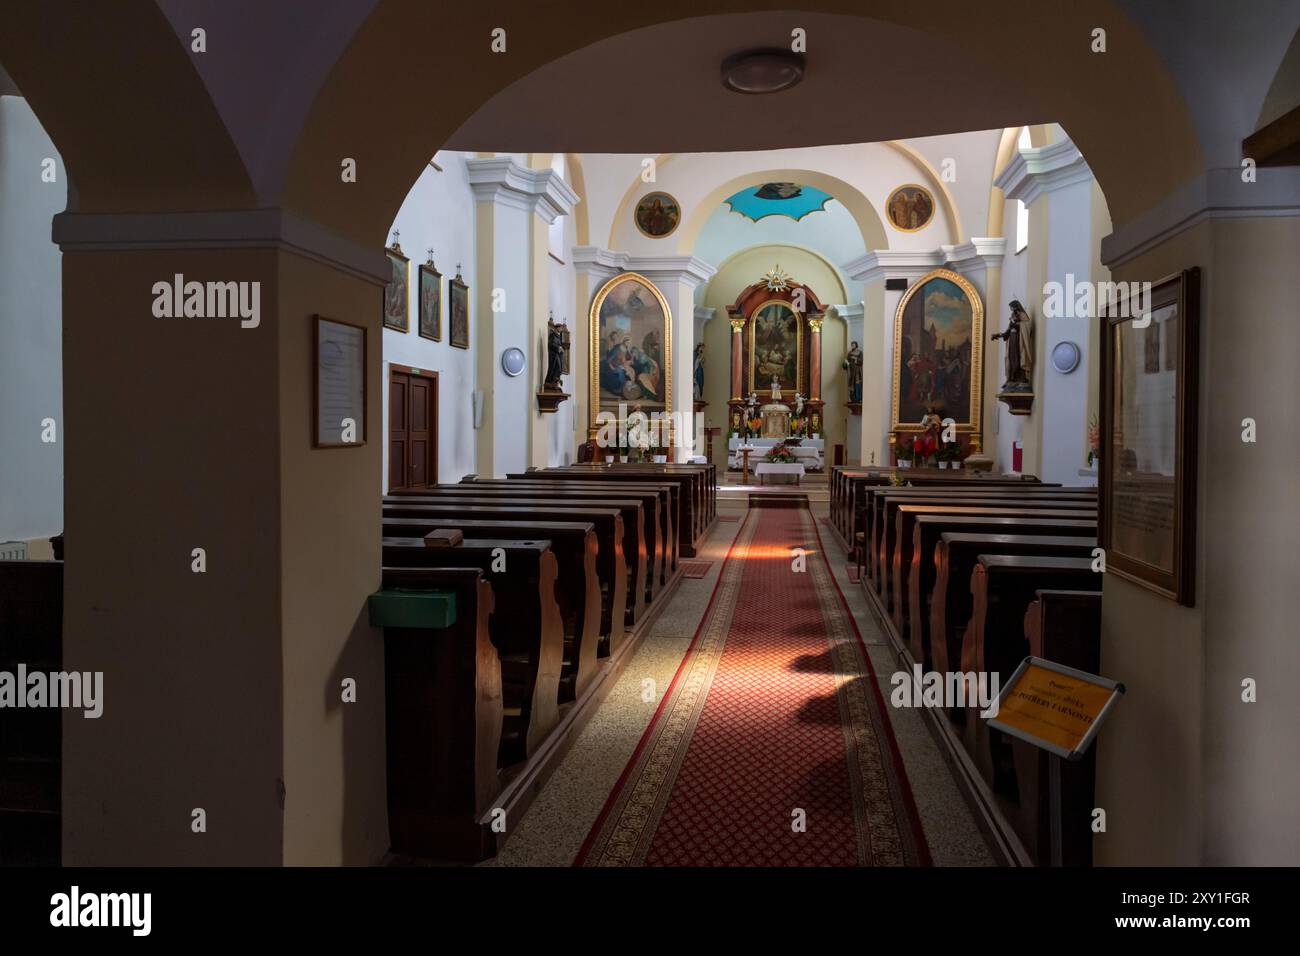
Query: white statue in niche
{"points": [[776, 390]]}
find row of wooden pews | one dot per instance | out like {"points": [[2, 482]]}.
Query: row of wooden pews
{"points": [[556, 573], [970, 577]]}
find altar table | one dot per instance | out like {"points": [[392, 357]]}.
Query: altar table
{"points": [[779, 468]]}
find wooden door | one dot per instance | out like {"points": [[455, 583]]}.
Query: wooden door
{"points": [[412, 428]]}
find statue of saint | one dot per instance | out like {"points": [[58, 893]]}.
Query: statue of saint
{"points": [[699, 371], [776, 390], [853, 364], [554, 356], [1019, 337], [798, 404]]}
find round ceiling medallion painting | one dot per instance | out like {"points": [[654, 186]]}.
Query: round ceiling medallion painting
{"points": [[910, 207], [657, 215]]}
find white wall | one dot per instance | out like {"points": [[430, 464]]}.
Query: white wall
{"points": [[31, 328], [439, 212], [564, 438]]}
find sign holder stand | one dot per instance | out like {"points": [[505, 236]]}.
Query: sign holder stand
{"points": [[1057, 753]]}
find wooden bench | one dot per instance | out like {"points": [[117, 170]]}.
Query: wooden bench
{"points": [[696, 503], [444, 716], [1065, 627], [926, 532], [645, 524], [526, 627], [880, 518], [951, 603], [874, 519], [903, 518], [859, 489], [657, 497], [1002, 587], [579, 586], [31, 740], [904, 532], [558, 509]]}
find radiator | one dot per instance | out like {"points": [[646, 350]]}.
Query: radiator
{"points": [[13, 550]]}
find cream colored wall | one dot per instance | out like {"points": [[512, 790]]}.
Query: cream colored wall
{"points": [[335, 807], [1188, 772], [732, 278], [876, 325]]}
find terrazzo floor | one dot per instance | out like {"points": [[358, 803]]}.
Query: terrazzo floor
{"points": [[554, 827]]}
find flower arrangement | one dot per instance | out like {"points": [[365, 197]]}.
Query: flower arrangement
{"points": [[754, 425], [1094, 440], [779, 453]]}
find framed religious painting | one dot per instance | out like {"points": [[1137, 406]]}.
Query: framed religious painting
{"points": [[657, 215], [938, 353], [458, 312], [776, 344], [1147, 487], [430, 299], [910, 208], [396, 304], [339, 413], [631, 348]]}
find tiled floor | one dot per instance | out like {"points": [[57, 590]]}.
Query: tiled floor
{"points": [[558, 821]]}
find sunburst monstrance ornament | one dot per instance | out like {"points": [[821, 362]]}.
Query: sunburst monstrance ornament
{"points": [[776, 280]]}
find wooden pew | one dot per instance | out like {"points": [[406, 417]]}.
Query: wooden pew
{"points": [[925, 539], [1065, 627], [956, 554], [873, 518], [691, 484], [901, 518], [526, 627], [905, 523], [860, 488], [443, 711], [654, 532], [31, 740], [1002, 587], [575, 547], [660, 497], [610, 562], [880, 511], [695, 502], [640, 585]]}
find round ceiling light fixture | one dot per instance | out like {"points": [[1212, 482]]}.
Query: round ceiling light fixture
{"points": [[762, 71]]}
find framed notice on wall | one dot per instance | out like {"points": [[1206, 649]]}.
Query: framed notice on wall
{"points": [[1147, 487], [340, 363]]}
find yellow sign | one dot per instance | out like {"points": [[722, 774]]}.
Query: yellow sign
{"points": [[1054, 707]]}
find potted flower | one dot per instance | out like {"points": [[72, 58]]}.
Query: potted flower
{"points": [[1094, 442], [779, 453], [942, 456], [903, 452]]}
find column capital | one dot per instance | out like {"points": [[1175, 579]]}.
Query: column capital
{"points": [[602, 263], [975, 254], [880, 264], [737, 325], [815, 325], [703, 314], [499, 179], [686, 270], [847, 312], [1036, 172]]}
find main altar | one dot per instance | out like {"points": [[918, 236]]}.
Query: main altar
{"points": [[776, 358]]}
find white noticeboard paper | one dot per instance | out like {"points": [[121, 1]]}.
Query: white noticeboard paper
{"points": [[340, 384]]}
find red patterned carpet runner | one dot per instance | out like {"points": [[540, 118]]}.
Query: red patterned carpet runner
{"points": [[771, 746]]}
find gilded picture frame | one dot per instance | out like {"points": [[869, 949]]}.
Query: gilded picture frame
{"points": [[1146, 487], [893, 205], [616, 306], [907, 411]]}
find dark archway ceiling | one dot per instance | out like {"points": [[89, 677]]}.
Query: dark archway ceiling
{"points": [[657, 90]]}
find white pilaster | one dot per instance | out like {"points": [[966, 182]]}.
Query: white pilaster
{"points": [[514, 207]]}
